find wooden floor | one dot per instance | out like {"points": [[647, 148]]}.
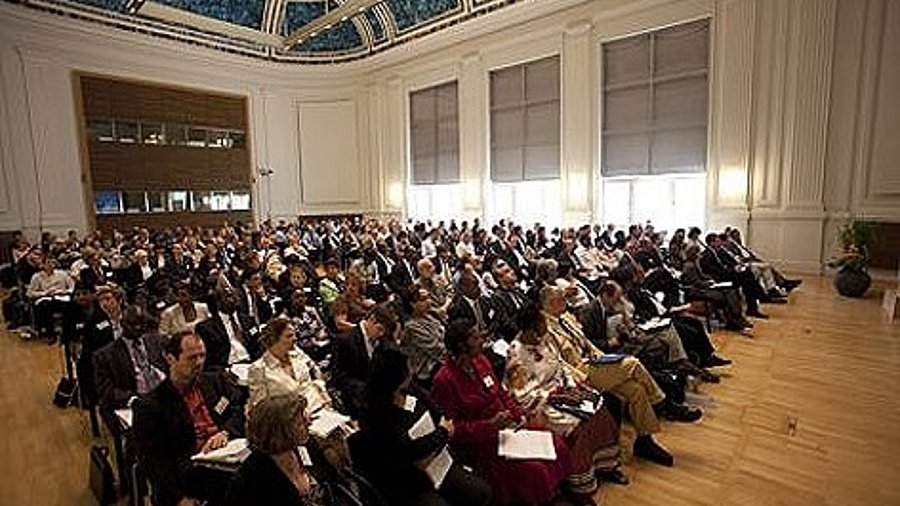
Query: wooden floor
{"points": [[809, 416]]}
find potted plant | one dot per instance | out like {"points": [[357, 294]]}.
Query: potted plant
{"points": [[852, 263]]}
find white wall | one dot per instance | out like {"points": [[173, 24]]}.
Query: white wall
{"points": [[804, 112]]}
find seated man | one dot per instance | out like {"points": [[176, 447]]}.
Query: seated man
{"points": [[438, 291], [721, 267], [224, 335], [353, 352], [190, 412], [623, 376]]}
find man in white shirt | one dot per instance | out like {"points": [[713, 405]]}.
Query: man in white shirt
{"points": [[227, 342], [50, 290]]}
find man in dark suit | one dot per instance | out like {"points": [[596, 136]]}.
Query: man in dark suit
{"points": [[715, 264], [94, 273], [506, 302], [253, 303], [404, 272], [353, 352], [190, 412], [224, 334]]}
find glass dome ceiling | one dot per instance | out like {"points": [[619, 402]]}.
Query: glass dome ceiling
{"points": [[304, 31]]}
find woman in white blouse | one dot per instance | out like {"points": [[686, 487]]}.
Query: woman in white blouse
{"points": [[538, 378], [285, 369]]}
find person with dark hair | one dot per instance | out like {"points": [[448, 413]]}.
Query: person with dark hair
{"points": [[253, 300], [470, 395], [227, 342], [423, 335], [185, 313], [276, 473], [190, 412], [715, 264], [538, 377], [353, 353], [393, 457]]}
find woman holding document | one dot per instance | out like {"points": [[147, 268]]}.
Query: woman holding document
{"points": [[486, 423], [537, 377], [402, 445]]}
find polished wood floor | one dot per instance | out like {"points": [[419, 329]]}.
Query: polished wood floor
{"points": [[810, 415]]}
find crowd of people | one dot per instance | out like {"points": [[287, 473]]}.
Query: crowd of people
{"points": [[431, 344]]}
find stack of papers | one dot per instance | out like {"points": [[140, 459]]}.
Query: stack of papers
{"points": [[423, 427], [235, 452], [438, 467], [526, 445], [325, 421], [655, 323]]}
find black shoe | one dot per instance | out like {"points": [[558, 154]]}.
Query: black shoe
{"points": [[716, 361], [646, 448], [708, 377], [758, 314], [615, 477], [677, 412], [790, 284], [774, 300]]}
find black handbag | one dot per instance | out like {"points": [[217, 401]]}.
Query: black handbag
{"points": [[66, 393], [102, 481]]}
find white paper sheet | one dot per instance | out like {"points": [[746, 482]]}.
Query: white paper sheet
{"points": [[723, 284], [526, 444], [126, 416], [232, 453], [326, 421], [438, 467], [241, 372], [409, 403], [423, 427]]}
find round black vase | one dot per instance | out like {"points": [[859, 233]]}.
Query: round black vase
{"points": [[852, 282]]}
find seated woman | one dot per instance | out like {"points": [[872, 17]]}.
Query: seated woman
{"points": [[423, 336], [351, 307], [276, 472], [392, 458], [466, 389], [540, 379], [312, 336], [285, 369]]}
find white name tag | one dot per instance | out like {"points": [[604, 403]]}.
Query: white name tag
{"points": [[488, 381], [410, 403], [102, 325], [254, 331], [222, 405], [79, 326]]}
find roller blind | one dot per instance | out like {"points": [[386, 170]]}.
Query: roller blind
{"points": [[655, 101], [525, 121], [434, 134]]}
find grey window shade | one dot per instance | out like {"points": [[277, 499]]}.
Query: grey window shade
{"points": [[525, 121], [434, 134], [655, 102]]}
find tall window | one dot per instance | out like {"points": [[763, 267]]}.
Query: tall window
{"points": [[525, 122], [654, 123], [434, 151]]}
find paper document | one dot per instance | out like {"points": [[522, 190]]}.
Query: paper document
{"points": [[232, 453], [678, 309], [241, 372], [126, 416], [423, 427], [438, 467], [500, 347], [326, 421], [723, 284], [655, 323], [526, 444]]}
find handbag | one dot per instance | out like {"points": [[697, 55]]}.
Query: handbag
{"points": [[65, 394], [101, 479]]}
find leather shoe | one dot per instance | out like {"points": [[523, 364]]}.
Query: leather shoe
{"points": [[614, 476], [716, 361], [677, 412], [757, 314], [646, 448], [708, 377]]}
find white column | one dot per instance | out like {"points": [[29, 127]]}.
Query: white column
{"points": [[577, 108], [473, 135]]}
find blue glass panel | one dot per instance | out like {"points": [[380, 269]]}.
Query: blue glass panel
{"points": [[411, 13], [112, 5], [377, 28], [106, 202], [298, 14], [341, 37], [247, 13]]}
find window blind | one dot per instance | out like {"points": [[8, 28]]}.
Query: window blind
{"points": [[434, 134], [655, 101], [525, 121]]}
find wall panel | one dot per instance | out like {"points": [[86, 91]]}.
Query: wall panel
{"points": [[329, 160]]}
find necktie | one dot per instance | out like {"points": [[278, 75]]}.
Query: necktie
{"points": [[144, 374]]}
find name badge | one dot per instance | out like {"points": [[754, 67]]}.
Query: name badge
{"points": [[161, 305], [253, 331], [222, 405], [102, 325], [410, 403], [79, 326], [488, 381], [305, 459]]}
